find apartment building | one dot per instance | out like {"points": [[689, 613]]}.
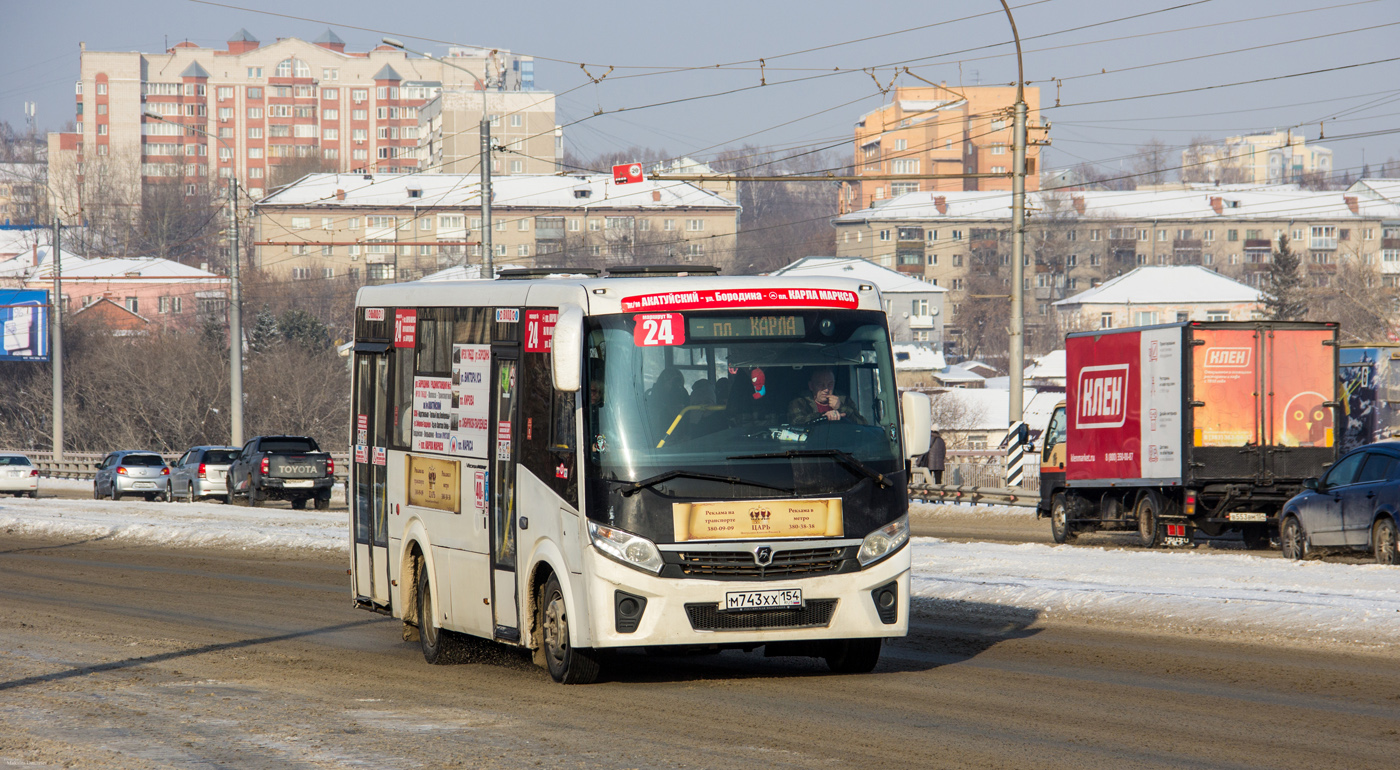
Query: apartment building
{"points": [[522, 126], [1078, 240], [309, 105], [1150, 295], [375, 228], [940, 130], [1273, 157]]}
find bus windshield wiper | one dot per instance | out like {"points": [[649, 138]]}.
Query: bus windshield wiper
{"points": [[638, 486], [845, 457]]}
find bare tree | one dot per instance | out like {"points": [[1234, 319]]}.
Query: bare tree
{"points": [[1152, 162], [285, 171], [1353, 293]]}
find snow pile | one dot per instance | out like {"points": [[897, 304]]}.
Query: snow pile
{"points": [[968, 509], [1185, 590], [181, 524]]}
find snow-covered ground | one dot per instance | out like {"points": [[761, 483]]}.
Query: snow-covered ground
{"points": [[1186, 591]]}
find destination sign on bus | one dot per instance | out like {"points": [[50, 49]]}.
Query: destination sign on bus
{"points": [[748, 327]]}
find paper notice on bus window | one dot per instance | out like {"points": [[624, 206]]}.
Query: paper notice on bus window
{"points": [[742, 520], [432, 414], [539, 330], [434, 483], [471, 405]]}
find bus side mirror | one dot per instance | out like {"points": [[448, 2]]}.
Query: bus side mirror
{"points": [[567, 348], [918, 423]]}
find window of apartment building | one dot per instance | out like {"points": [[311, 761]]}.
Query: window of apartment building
{"points": [[255, 93], [300, 249], [516, 121], [998, 124], [1105, 320], [998, 149], [1254, 235], [255, 113], [358, 95], [930, 235], [255, 153], [359, 134], [957, 286], [359, 114], [1297, 235], [1145, 318], [1183, 235], [255, 133], [918, 307], [1162, 235], [279, 131], [517, 167], [998, 169], [330, 114], [904, 166], [694, 225], [957, 260], [1217, 315], [1232, 235], [301, 223], [225, 153], [884, 235], [593, 225], [102, 150], [304, 131], [226, 132], [1324, 237], [301, 273], [500, 225], [329, 134], [932, 259], [225, 92], [1344, 234], [382, 272], [1071, 260], [327, 251], [1390, 255], [330, 73], [255, 73], [522, 250], [500, 249], [901, 144], [1144, 235], [643, 225], [354, 250], [1094, 235], [1368, 234], [102, 129], [695, 249], [256, 172], [132, 305]]}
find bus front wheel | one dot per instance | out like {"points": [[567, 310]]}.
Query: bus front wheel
{"points": [[440, 646], [567, 664], [853, 656]]}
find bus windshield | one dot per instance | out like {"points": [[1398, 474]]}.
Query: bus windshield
{"points": [[780, 397]]}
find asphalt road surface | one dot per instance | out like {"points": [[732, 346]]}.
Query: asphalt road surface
{"points": [[115, 655]]}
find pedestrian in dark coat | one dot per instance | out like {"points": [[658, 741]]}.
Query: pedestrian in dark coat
{"points": [[935, 457]]}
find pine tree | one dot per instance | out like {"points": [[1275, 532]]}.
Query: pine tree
{"points": [[302, 328], [1284, 298], [264, 335]]}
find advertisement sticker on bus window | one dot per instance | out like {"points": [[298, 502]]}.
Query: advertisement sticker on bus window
{"points": [[361, 453], [507, 315], [374, 314], [434, 483], [470, 401], [381, 456], [362, 422], [405, 327], [539, 330], [361, 436], [432, 414], [654, 329], [715, 299]]}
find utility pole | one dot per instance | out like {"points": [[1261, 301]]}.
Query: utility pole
{"points": [[1016, 363], [56, 337], [488, 262], [489, 271], [235, 324]]}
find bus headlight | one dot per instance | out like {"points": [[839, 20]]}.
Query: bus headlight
{"points": [[884, 541], [625, 547]]}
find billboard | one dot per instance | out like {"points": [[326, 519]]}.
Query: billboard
{"points": [[24, 319]]}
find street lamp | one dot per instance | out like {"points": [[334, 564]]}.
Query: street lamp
{"points": [[1018, 235], [235, 313], [485, 163]]}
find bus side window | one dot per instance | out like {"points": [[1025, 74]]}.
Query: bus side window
{"points": [[562, 438]]}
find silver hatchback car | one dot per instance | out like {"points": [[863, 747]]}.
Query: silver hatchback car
{"points": [[130, 472], [200, 473]]}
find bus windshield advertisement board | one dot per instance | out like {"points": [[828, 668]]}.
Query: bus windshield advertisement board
{"points": [[24, 318]]}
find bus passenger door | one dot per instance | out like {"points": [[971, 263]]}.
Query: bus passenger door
{"points": [[368, 478], [505, 408]]}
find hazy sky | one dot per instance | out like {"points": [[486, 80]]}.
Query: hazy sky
{"points": [[808, 102]]}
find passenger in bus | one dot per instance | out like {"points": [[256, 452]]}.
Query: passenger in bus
{"points": [[823, 403], [667, 398], [702, 393]]}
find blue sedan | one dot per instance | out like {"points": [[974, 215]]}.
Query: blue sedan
{"points": [[1355, 506]]}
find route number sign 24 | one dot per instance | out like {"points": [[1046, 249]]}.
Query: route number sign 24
{"points": [[657, 329]]}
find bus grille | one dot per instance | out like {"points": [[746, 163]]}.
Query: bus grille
{"points": [[707, 617], [804, 562]]}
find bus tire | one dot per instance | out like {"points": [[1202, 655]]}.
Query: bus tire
{"points": [[440, 646], [853, 656], [1061, 531], [1149, 520], [567, 664]]}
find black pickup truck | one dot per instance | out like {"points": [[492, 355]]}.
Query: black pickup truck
{"points": [[281, 468]]}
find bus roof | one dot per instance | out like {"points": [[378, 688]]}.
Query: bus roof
{"points": [[602, 296]]}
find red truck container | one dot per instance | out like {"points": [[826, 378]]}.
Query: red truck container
{"points": [[1191, 426]]}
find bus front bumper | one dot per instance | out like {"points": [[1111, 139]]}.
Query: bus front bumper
{"points": [[691, 611]]}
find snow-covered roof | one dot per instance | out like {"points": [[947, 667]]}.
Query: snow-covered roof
{"points": [[462, 191], [1385, 189], [1195, 205], [1048, 367], [34, 262], [151, 268], [917, 358], [1172, 284], [886, 280]]}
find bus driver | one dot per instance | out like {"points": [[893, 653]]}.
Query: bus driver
{"points": [[823, 404]]}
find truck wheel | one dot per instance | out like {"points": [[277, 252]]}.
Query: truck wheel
{"points": [[1149, 512], [299, 504], [323, 503], [853, 656], [567, 664], [1383, 543], [1061, 531], [1292, 541], [1255, 538]]}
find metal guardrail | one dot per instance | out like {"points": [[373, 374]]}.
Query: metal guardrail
{"points": [[83, 465]]}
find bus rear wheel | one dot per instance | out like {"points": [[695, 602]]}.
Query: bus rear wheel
{"points": [[567, 664], [853, 656]]}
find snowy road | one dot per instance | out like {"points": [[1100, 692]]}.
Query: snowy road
{"points": [[1233, 594]]}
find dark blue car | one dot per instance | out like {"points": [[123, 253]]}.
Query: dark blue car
{"points": [[1353, 507]]}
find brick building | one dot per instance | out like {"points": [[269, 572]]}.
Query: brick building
{"points": [[313, 105]]}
